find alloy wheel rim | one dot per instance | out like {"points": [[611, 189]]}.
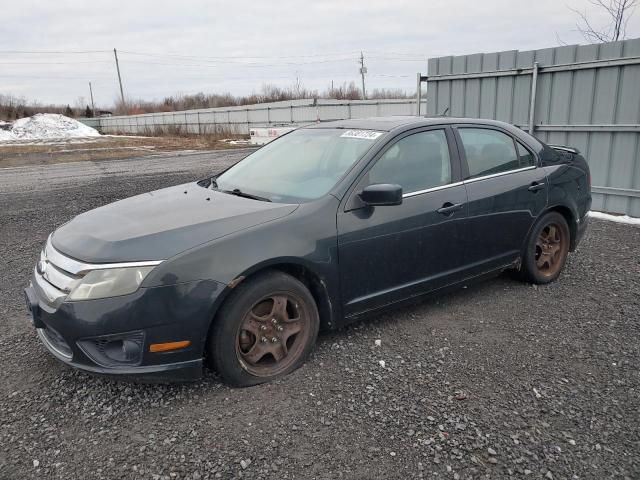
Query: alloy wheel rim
{"points": [[272, 334], [550, 249]]}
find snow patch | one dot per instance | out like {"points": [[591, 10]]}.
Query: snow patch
{"points": [[6, 135], [626, 219], [51, 125], [47, 125], [230, 141]]}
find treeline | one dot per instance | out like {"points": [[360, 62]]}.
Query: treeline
{"points": [[267, 94], [12, 107]]}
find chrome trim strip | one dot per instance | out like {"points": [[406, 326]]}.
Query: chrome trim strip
{"points": [[433, 189], [51, 347], [51, 292], [470, 180], [80, 268], [499, 174], [58, 278]]}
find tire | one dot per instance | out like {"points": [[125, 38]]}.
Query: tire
{"points": [[264, 330], [546, 250]]}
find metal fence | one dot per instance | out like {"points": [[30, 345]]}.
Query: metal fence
{"points": [[241, 119], [585, 96]]}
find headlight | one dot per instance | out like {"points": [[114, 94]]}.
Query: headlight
{"points": [[109, 282]]}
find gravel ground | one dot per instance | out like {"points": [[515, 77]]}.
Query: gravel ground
{"points": [[496, 380]]}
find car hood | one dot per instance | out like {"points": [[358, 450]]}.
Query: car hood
{"points": [[160, 224]]}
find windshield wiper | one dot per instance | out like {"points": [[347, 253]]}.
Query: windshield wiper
{"points": [[239, 193]]}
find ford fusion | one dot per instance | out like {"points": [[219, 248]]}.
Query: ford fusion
{"points": [[321, 227]]}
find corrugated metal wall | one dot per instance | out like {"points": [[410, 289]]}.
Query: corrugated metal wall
{"points": [[241, 119], [586, 96]]}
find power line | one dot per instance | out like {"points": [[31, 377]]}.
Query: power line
{"points": [[46, 52], [54, 77], [392, 59], [370, 53], [239, 59], [53, 57], [391, 76], [309, 55], [53, 63], [242, 64]]}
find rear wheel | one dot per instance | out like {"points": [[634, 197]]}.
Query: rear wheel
{"points": [[547, 249], [266, 329]]}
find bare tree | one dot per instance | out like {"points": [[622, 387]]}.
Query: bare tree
{"points": [[618, 12]]}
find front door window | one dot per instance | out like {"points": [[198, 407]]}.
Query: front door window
{"points": [[416, 162]]}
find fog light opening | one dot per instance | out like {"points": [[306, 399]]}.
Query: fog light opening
{"points": [[114, 350], [125, 351]]}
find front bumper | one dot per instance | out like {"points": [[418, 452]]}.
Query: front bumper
{"points": [[151, 315]]}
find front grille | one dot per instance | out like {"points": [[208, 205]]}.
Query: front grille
{"points": [[54, 274]]}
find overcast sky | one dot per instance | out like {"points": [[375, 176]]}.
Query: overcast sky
{"points": [[237, 46]]}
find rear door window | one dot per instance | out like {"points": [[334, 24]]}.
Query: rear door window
{"points": [[489, 151]]}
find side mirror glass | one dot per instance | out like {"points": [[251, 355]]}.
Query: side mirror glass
{"points": [[382, 194]]}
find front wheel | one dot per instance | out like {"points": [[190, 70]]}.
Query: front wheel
{"points": [[265, 329], [547, 249]]}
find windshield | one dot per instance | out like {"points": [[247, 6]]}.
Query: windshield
{"points": [[298, 167]]}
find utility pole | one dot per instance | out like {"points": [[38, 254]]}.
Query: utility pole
{"points": [[363, 70], [418, 94], [115, 54], [93, 107]]}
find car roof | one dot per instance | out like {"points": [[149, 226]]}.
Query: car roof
{"points": [[387, 124]]}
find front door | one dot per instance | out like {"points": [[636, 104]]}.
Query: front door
{"points": [[389, 253]]}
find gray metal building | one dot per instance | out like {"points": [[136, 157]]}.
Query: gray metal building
{"points": [[586, 96]]}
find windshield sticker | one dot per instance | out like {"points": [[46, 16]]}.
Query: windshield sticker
{"points": [[363, 134]]}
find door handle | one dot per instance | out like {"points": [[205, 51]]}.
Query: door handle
{"points": [[535, 186], [448, 208]]}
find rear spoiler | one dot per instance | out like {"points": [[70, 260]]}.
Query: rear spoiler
{"points": [[564, 148]]}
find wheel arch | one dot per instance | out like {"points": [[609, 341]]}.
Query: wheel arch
{"points": [[571, 218], [298, 269], [568, 214]]}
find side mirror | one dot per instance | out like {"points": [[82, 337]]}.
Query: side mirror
{"points": [[382, 194]]}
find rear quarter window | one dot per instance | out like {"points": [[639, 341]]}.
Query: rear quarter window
{"points": [[525, 157]]}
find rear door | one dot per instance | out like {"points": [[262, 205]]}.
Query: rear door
{"points": [[506, 190], [388, 253]]}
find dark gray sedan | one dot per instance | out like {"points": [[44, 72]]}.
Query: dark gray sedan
{"points": [[323, 226]]}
